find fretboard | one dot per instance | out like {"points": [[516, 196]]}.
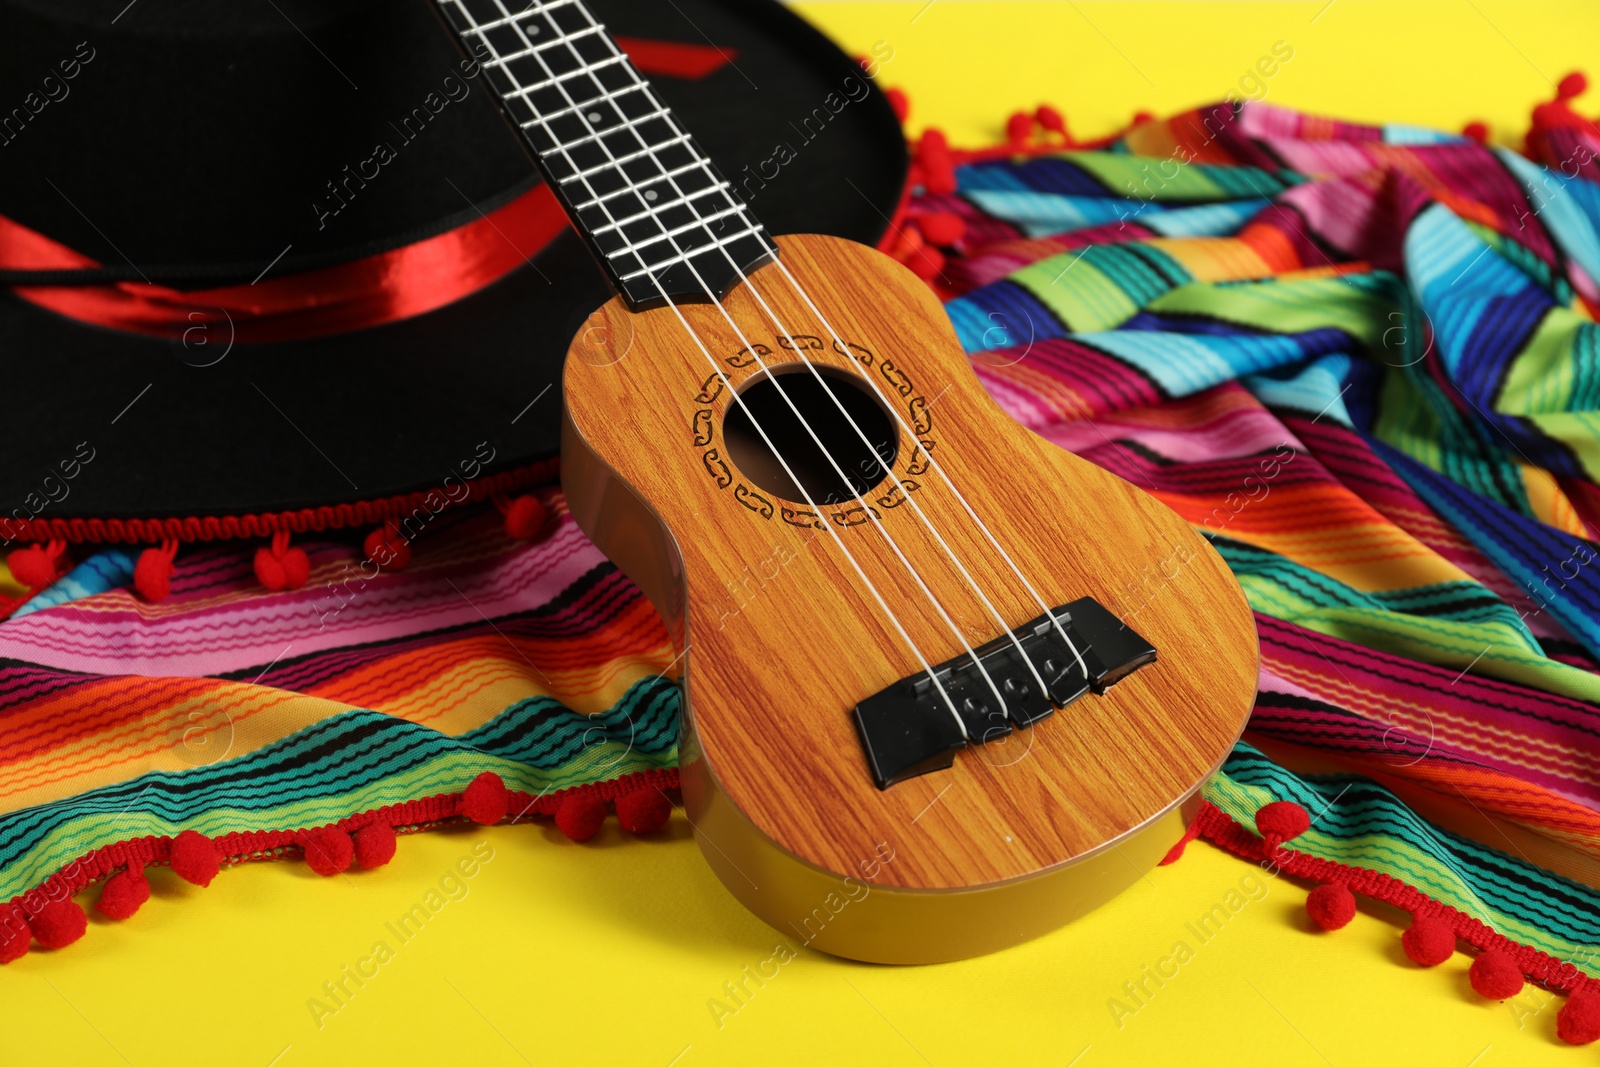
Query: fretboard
{"points": [[661, 221]]}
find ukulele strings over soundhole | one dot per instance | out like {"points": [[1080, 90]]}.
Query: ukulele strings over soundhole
{"points": [[798, 409]]}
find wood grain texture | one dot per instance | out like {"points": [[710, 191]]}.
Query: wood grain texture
{"points": [[784, 638]]}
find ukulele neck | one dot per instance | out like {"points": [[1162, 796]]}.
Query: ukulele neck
{"points": [[663, 224]]}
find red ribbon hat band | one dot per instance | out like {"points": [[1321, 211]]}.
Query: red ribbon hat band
{"points": [[361, 293], [396, 284]]}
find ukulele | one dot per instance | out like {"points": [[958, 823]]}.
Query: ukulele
{"points": [[946, 686]]}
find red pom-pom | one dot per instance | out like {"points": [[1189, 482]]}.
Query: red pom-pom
{"points": [[124, 893], [59, 924], [643, 811], [14, 937], [1578, 1021], [580, 817], [525, 517], [387, 549], [486, 800], [1019, 127], [939, 180], [374, 845], [1476, 131], [1050, 119], [1496, 975], [37, 566], [329, 850], [1282, 820], [194, 858], [1430, 941], [938, 169], [152, 575], [279, 567], [1574, 84], [1331, 906], [899, 103], [942, 227], [926, 263]]}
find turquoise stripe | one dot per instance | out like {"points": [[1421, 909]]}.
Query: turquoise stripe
{"points": [[1316, 391], [536, 744], [1360, 814], [1041, 214], [110, 568]]}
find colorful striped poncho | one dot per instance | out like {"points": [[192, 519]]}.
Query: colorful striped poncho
{"points": [[1361, 360]]}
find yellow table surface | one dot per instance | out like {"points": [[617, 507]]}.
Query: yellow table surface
{"points": [[615, 952]]}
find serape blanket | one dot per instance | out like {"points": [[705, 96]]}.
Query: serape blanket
{"points": [[1361, 360]]}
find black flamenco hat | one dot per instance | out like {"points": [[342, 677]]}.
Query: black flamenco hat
{"points": [[280, 265]]}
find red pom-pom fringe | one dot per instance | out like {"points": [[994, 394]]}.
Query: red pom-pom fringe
{"points": [[1578, 1021], [14, 936], [942, 227], [375, 845], [1501, 968], [580, 817], [1495, 975], [387, 548], [120, 867], [486, 800], [279, 567], [1331, 906], [59, 923], [329, 851], [152, 575], [38, 566], [525, 516], [194, 858], [1282, 820], [936, 164], [1429, 941], [1175, 853], [643, 811], [124, 893], [1019, 128]]}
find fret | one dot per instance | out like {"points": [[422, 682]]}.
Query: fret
{"points": [[636, 248], [680, 257], [626, 126], [631, 157], [534, 50], [508, 18], [651, 212], [580, 105], [663, 223], [589, 84], [644, 190], [609, 61]]}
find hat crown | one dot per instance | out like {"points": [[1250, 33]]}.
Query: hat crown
{"points": [[182, 133]]}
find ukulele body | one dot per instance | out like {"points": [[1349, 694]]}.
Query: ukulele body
{"points": [[782, 636]]}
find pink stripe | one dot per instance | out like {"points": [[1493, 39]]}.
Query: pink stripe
{"points": [[252, 629]]}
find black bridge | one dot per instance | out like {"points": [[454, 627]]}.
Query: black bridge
{"points": [[908, 730]]}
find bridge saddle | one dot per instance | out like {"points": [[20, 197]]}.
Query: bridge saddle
{"points": [[907, 729]]}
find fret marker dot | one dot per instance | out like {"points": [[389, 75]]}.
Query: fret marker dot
{"points": [[594, 116], [650, 194]]}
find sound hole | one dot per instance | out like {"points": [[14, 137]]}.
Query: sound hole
{"points": [[762, 403]]}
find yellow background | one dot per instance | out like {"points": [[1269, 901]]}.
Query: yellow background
{"points": [[610, 953]]}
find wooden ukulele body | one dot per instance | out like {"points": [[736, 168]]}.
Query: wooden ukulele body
{"points": [[782, 638]]}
